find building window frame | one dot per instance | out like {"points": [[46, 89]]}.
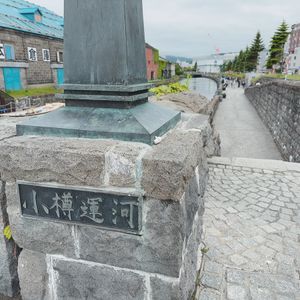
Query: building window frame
{"points": [[2, 52], [9, 52], [60, 56], [32, 54], [46, 55]]}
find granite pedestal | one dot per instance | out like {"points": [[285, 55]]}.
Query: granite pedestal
{"points": [[62, 260]]}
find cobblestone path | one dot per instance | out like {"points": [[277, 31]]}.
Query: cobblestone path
{"points": [[252, 231]]}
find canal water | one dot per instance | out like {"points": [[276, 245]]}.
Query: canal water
{"points": [[204, 86]]}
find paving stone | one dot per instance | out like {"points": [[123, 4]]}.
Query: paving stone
{"points": [[279, 203], [261, 293], [238, 259], [277, 226], [212, 280], [263, 204], [261, 226], [268, 229], [287, 211], [235, 292], [275, 207], [235, 276], [209, 294], [251, 255], [285, 297], [213, 267]]}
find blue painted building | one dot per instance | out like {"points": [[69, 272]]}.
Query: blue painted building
{"points": [[31, 45]]}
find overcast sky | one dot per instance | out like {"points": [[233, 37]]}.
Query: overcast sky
{"points": [[197, 27]]}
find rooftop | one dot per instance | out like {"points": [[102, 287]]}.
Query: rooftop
{"points": [[14, 15]]}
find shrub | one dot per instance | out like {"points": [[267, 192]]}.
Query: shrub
{"points": [[172, 88]]}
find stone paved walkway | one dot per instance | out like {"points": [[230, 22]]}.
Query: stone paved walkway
{"points": [[252, 231], [242, 132]]}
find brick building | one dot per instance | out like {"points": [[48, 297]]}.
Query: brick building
{"points": [[31, 45], [152, 60]]}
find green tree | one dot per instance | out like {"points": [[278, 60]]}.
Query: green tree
{"points": [[276, 51], [178, 70], [224, 67], [235, 63], [195, 69], [245, 65], [256, 47], [229, 66], [238, 65]]}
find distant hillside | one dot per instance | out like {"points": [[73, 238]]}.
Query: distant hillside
{"points": [[174, 59]]}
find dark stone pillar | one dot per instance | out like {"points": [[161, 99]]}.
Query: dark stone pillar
{"points": [[106, 89]]}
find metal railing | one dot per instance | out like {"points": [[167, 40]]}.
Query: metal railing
{"points": [[7, 108], [28, 103]]}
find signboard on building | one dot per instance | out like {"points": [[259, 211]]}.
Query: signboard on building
{"points": [[2, 52], [85, 206]]}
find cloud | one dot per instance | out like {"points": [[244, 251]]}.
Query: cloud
{"points": [[197, 27]]}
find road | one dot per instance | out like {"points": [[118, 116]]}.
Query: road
{"points": [[243, 134]]}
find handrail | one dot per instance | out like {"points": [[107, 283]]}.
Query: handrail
{"points": [[7, 107]]}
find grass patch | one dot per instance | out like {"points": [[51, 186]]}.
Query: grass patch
{"points": [[276, 76], [283, 76], [46, 90], [172, 88], [234, 75]]}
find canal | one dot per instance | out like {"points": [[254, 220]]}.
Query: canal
{"points": [[204, 86]]}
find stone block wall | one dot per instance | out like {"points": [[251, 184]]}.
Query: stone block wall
{"points": [[9, 251], [69, 261], [278, 104], [38, 72]]}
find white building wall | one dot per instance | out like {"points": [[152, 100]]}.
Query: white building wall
{"points": [[293, 62]]}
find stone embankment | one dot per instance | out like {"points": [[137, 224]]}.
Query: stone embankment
{"points": [[164, 261], [189, 102], [278, 104]]}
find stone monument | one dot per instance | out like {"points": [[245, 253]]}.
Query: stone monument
{"points": [[106, 89], [98, 218]]}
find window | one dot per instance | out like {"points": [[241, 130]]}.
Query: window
{"points": [[60, 56], [9, 52], [2, 53], [32, 13], [38, 17], [32, 54], [46, 55]]}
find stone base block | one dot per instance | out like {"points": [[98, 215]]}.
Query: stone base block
{"points": [[65, 260], [7, 270], [141, 123], [48, 277], [9, 282]]}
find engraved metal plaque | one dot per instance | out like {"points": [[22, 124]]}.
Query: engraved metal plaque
{"points": [[114, 211]]}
